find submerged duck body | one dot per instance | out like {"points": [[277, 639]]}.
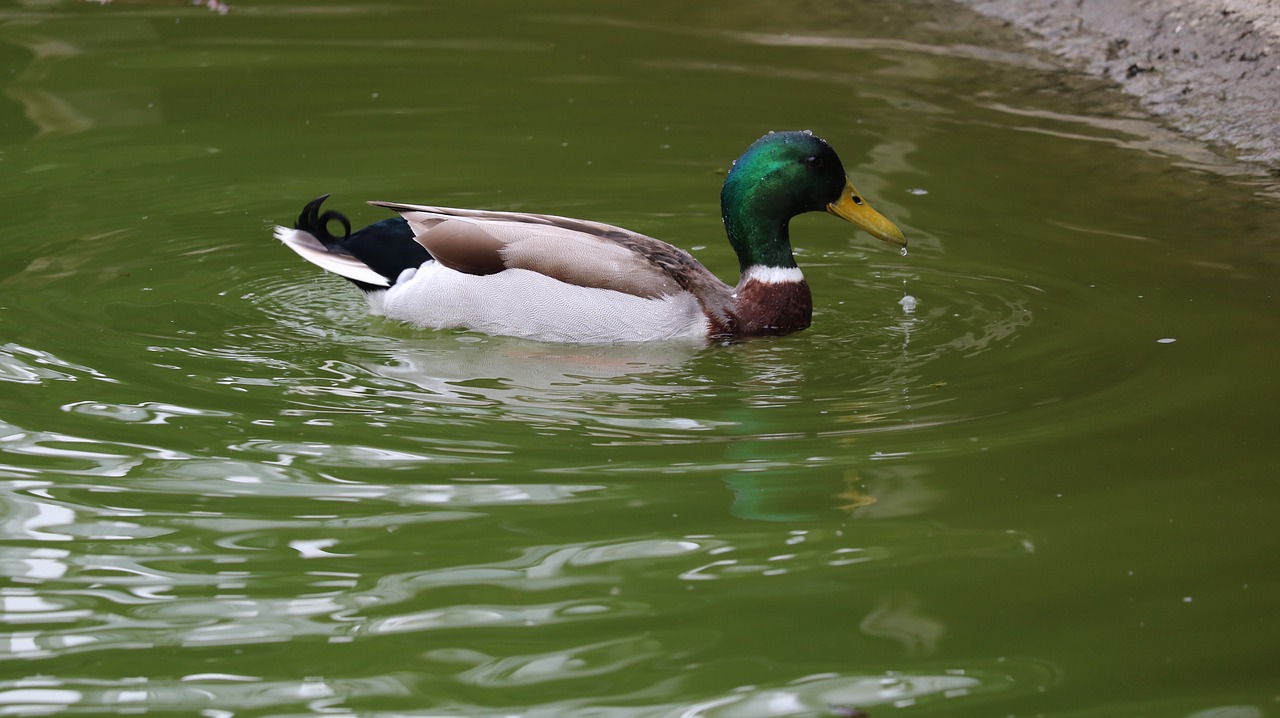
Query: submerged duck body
{"points": [[569, 280]]}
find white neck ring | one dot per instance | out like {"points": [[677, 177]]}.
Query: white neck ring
{"points": [[773, 275]]}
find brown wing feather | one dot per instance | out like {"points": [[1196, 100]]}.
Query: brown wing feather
{"points": [[463, 247], [575, 251]]}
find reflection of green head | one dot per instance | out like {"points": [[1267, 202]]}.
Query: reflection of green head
{"points": [[781, 175]]}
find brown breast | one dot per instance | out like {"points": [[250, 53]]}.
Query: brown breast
{"points": [[761, 308]]}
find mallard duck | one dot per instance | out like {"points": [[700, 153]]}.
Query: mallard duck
{"points": [[570, 280]]}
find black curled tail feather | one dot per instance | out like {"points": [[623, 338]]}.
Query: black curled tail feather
{"points": [[316, 224], [387, 247]]}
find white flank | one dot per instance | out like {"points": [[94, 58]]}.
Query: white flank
{"points": [[521, 303], [773, 275], [310, 249]]}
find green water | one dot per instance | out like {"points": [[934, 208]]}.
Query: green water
{"points": [[1048, 489]]}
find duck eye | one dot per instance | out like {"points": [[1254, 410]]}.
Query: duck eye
{"points": [[812, 162], [856, 199]]}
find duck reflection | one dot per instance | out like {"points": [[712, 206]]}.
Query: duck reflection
{"points": [[591, 380]]}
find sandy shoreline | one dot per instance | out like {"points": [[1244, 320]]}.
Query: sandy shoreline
{"points": [[1209, 68]]}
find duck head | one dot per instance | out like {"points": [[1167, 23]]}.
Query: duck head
{"points": [[784, 174]]}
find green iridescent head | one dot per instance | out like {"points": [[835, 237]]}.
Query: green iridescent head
{"points": [[781, 175]]}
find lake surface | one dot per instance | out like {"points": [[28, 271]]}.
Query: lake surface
{"points": [[1046, 484]]}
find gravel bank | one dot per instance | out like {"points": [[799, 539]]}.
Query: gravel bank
{"points": [[1211, 68]]}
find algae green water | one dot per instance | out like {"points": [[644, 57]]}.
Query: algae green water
{"points": [[1028, 469]]}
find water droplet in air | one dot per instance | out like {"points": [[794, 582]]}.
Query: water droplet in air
{"points": [[903, 251], [908, 303], [1166, 340]]}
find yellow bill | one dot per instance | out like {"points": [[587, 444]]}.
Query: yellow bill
{"points": [[851, 207]]}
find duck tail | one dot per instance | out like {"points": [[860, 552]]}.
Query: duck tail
{"points": [[371, 258]]}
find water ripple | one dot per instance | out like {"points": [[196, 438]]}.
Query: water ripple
{"points": [[25, 365]]}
